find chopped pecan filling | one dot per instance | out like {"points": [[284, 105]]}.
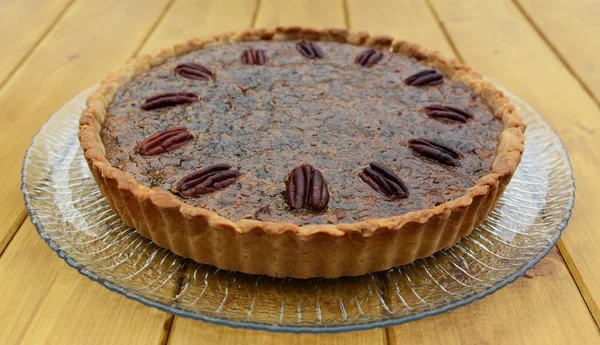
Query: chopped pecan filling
{"points": [[318, 112]]}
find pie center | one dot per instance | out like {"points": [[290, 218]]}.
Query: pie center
{"points": [[264, 120]]}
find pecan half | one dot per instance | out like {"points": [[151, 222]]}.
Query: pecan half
{"points": [[207, 180], [192, 70], [306, 188], [368, 57], [447, 113], [434, 150], [169, 99], [165, 141], [427, 77], [384, 181], [310, 50], [254, 57]]}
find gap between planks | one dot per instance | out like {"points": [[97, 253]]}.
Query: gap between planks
{"points": [[576, 277], [573, 270], [20, 220], [445, 31], [561, 248], [556, 52], [255, 13], [385, 335], [346, 14], [160, 17], [169, 321], [153, 27], [58, 17], [25, 216]]}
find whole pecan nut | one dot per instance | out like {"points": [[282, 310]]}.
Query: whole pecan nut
{"points": [[207, 180], [165, 141], [192, 70], [169, 99], [254, 57], [368, 58], [427, 77], [435, 150], [385, 182], [306, 188], [310, 50], [447, 113]]}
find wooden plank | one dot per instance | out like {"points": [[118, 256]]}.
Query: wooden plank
{"points": [[186, 331], [311, 13], [495, 38], [46, 302], [408, 20], [22, 25], [79, 51], [570, 27], [542, 308]]}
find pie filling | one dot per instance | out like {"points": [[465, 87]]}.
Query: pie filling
{"points": [[301, 132]]}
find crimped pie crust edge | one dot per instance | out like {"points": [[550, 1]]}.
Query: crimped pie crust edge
{"points": [[285, 249]]}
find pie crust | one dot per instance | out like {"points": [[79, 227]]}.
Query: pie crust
{"points": [[285, 249]]}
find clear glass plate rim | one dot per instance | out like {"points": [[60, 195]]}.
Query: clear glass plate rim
{"points": [[292, 329]]}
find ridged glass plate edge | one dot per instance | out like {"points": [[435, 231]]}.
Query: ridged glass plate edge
{"points": [[304, 329]]}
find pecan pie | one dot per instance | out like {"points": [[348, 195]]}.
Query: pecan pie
{"points": [[296, 152]]}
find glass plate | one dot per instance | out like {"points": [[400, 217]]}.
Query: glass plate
{"points": [[75, 220]]}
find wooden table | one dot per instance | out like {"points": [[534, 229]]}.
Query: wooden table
{"points": [[546, 51]]}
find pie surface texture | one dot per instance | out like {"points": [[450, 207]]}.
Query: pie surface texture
{"points": [[259, 106]]}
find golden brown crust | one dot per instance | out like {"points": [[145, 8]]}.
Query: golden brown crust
{"points": [[285, 249]]}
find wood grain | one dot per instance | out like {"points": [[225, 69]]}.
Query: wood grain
{"points": [[311, 13], [407, 20], [543, 307], [571, 27], [94, 38], [22, 24], [46, 302], [495, 38], [430, 33], [187, 331], [187, 19]]}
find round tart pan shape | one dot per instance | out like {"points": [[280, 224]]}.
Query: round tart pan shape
{"points": [[285, 249]]}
